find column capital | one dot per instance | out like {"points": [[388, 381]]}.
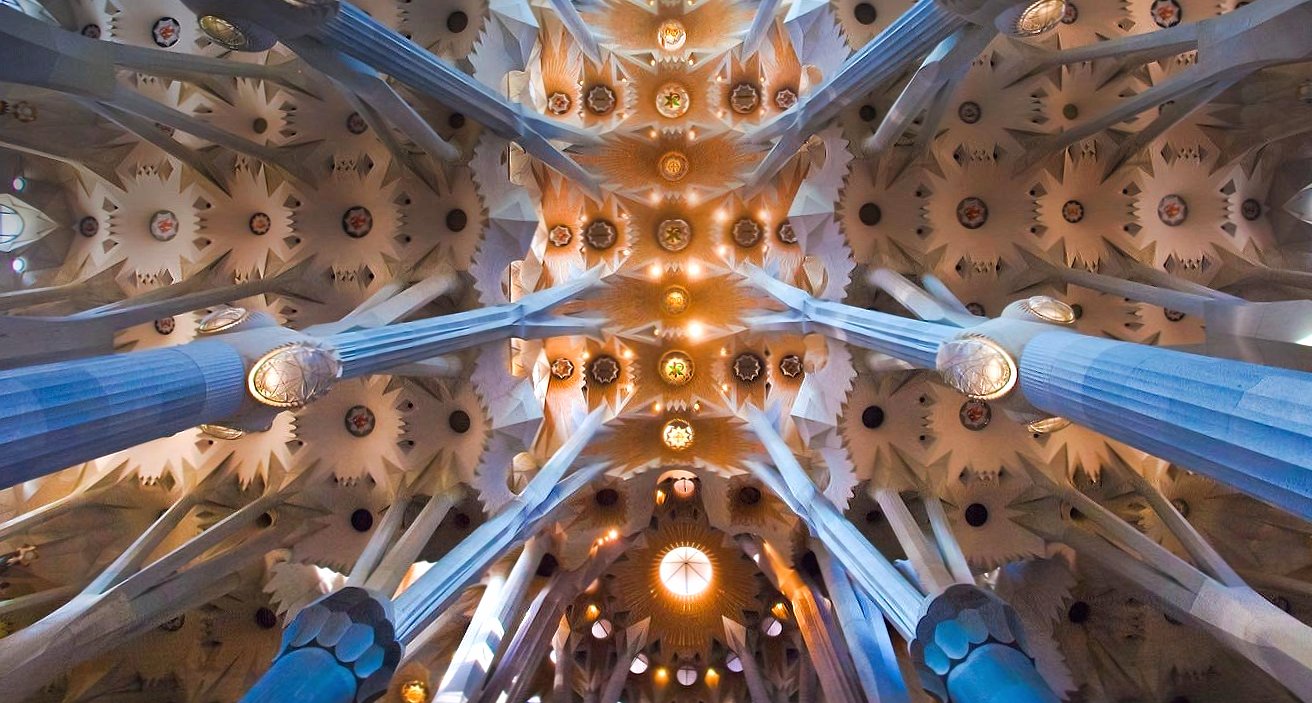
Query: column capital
{"points": [[957, 623], [354, 626]]}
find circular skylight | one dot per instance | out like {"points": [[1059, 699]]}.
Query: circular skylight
{"points": [[686, 571]]}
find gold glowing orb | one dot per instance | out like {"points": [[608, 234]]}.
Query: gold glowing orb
{"points": [[414, 692], [676, 369], [672, 100], [677, 434], [674, 235], [672, 166], [676, 300], [671, 35]]}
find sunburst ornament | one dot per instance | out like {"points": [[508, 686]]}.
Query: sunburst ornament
{"points": [[672, 100], [676, 368], [677, 434], [671, 35], [673, 166], [675, 300]]}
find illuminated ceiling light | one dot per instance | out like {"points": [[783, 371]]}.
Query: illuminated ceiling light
{"points": [[712, 678], [662, 675], [779, 610], [676, 368], [686, 571], [675, 300], [639, 664], [672, 100], [685, 487], [686, 675], [771, 626], [223, 32], [677, 434], [734, 663], [414, 692], [1039, 17], [592, 611], [671, 35], [674, 235], [673, 166], [602, 628]]}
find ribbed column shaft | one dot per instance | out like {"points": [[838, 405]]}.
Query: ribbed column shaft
{"points": [[1245, 425], [56, 415]]}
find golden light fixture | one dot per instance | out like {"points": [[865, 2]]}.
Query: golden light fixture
{"points": [[671, 36], [677, 434], [673, 166], [414, 692], [675, 300], [674, 235], [1039, 17], [676, 368], [686, 571], [672, 100], [223, 32]]}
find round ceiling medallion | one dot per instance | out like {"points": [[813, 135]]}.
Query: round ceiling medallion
{"points": [[1173, 315], [686, 572], [791, 366], [260, 224], [91, 31], [166, 31], [785, 98], [972, 213], [870, 214], [559, 103], [977, 367], [746, 232], [164, 225], [975, 415], [88, 226], [600, 235], [744, 98], [560, 236], [671, 36], [1173, 210], [414, 692], [677, 434], [676, 368], [562, 368], [672, 166], [165, 325], [1167, 13], [865, 13], [292, 376], [747, 367], [604, 370], [1071, 14], [970, 112], [786, 233], [672, 100], [360, 421], [1072, 211], [355, 124], [1251, 209], [675, 300], [600, 99], [222, 319], [357, 222], [1039, 17], [674, 235]]}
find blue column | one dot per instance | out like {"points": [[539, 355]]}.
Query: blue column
{"points": [[1245, 425], [970, 648], [342, 649], [55, 415]]}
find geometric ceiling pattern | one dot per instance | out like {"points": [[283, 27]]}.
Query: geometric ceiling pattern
{"points": [[540, 307]]}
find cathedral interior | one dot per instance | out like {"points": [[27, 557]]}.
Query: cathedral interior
{"points": [[655, 351]]}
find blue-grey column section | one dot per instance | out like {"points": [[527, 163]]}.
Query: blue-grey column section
{"points": [[56, 415], [1246, 425]]}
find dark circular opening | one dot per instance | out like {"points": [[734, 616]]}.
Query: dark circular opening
{"points": [[606, 497], [456, 120], [461, 520], [872, 417], [362, 520], [870, 214], [1079, 612], [874, 517], [457, 21], [976, 515], [865, 13], [749, 495], [264, 520], [457, 220], [266, 618], [459, 421], [260, 125], [1078, 310], [548, 565], [868, 113], [1070, 112]]}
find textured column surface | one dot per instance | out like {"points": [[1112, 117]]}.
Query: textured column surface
{"points": [[970, 648], [55, 415], [1245, 425], [342, 649]]}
